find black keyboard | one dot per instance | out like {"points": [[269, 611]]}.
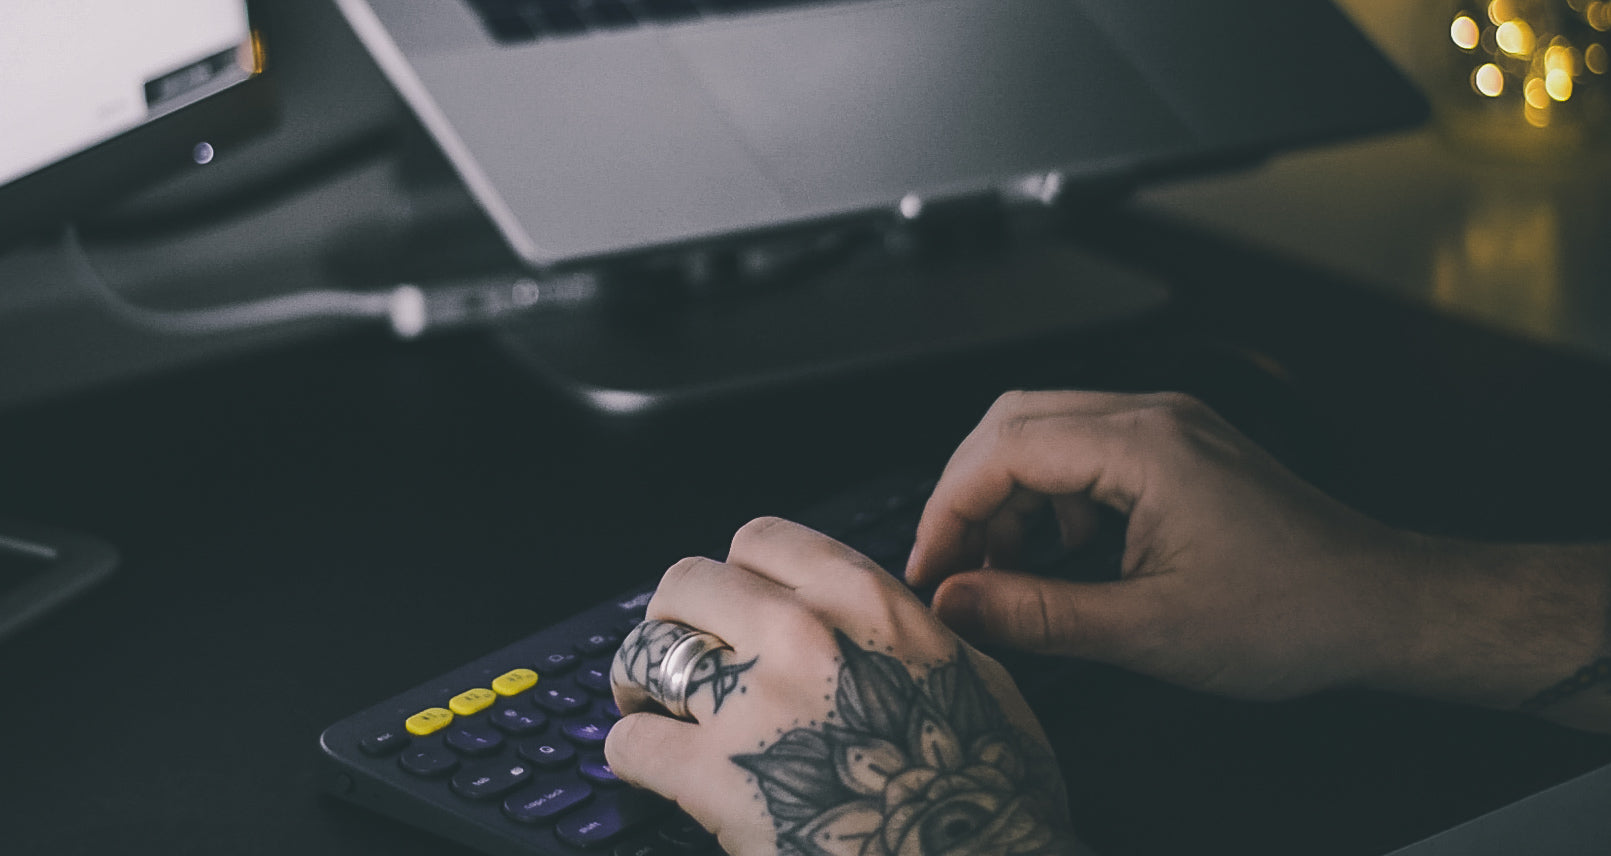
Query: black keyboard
{"points": [[514, 21], [505, 754]]}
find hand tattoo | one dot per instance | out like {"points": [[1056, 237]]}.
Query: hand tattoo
{"points": [[912, 768], [640, 658], [717, 673]]}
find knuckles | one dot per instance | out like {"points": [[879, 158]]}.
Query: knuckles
{"points": [[752, 533]]}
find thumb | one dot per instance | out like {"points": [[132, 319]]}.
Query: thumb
{"points": [[1098, 621]]}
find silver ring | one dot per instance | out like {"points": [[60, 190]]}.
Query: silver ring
{"points": [[656, 664]]}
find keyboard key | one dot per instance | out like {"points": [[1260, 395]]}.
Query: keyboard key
{"points": [[595, 679], [586, 733], [546, 801], [428, 761], [594, 769], [610, 817], [556, 663], [514, 682], [547, 754], [474, 739], [383, 743], [562, 701], [610, 709], [518, 722], [485, 783], [598, 643], [472, 701], [428, 721]]}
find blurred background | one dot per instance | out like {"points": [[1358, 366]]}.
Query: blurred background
{"points": [[1497, 211]]}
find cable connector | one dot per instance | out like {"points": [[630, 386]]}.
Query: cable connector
{"points": [[414, 311]]}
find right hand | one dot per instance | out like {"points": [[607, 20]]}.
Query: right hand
{"points": [[1238, 577]]}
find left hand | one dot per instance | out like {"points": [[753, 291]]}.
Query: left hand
{"points": [[845, 720]]}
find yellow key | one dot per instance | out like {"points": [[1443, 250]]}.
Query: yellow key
{"points": [[428, 720], [471, 701], [517, 681]]}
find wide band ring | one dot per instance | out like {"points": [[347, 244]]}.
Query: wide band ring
{"points": [[656, 664]]}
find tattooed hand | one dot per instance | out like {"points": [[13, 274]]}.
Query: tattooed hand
{"points": [[846, 721]]}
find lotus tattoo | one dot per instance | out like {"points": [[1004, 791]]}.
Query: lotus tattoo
{"points": [[911, 768]]}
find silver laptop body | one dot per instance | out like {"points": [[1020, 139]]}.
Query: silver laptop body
{"points": [[590, 144]]}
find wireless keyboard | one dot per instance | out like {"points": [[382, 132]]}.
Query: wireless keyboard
{"points": [[505, 754]]}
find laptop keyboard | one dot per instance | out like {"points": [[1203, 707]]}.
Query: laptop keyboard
{"points": [[517, 21], [505, 753]]}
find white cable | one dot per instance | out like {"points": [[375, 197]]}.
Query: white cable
{"points": [[224, 319], [408, 309]]}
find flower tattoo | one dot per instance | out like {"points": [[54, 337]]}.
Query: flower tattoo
{"points": [[911, 768]]}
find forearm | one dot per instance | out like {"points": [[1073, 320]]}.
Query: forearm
{"points": [[1507, 626]]}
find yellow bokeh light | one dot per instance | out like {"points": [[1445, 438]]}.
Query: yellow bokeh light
{"points": [[1500, 11], [1558, 84], [1535, 93], [1488, 80], [1538, 117], [1464, 32], [1515, 38], [1599, 16], [1595, 58], [1560, 59]]}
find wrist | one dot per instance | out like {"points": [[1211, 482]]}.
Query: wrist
{"points": [[1492, 624]]}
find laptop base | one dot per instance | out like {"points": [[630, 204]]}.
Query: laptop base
{"points": [[629, 360]]}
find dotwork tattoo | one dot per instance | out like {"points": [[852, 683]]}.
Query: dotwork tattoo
{"points": [[1594, 674], [911, 768]]}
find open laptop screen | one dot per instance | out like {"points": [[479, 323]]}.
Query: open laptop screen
{"points": [[99, 97], [79, 72]]}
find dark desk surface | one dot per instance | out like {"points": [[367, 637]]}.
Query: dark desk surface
{"points": [[310, 529]]}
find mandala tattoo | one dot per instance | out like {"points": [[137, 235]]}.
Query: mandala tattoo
{"points": [[912, 768], [642, 655]]}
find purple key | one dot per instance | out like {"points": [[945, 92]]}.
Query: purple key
{"points": [[587, 733], [474, 740], [595, 680], [383, 743], [427, 761], [595, 770], [546, 801], [485, 783], [548, 754], [562, 700], [512, 720], [609, 817]]}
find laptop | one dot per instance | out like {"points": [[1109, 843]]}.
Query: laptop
{"points": [[588, 129]]}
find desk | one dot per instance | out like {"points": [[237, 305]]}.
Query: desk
{"points": [[308, 529]]}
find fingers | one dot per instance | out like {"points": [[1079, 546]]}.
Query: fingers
{"points": [[1046, 444], [1111, 622], [667, 756], [726, 599], [822, 571]]}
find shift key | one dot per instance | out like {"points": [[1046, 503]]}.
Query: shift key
{"points": [[611, 815]]}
